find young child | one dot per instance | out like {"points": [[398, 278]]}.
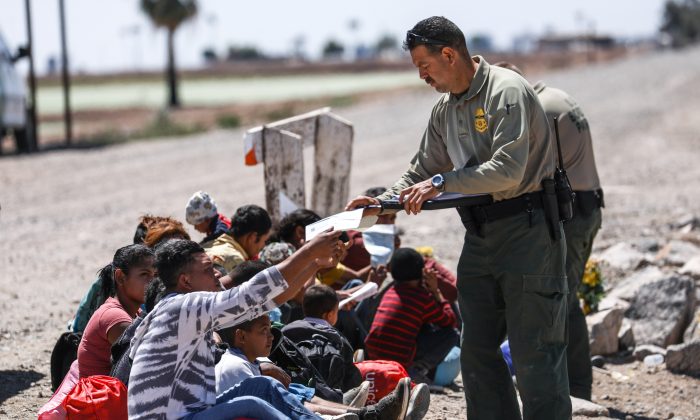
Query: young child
{"points": [[320, 307], [414, 323], [253, 339]]}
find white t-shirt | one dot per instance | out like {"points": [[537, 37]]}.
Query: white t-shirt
{"points": [[232, 369]]}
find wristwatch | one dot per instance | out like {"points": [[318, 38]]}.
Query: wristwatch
{"points": [[438, 182]]}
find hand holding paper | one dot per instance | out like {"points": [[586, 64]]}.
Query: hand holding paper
{"points": [[367, 290], [346, 220]]}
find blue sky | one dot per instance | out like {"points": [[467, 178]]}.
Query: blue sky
{"points": [[111, 35]]}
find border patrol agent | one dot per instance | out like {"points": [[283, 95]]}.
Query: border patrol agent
{"points": [[580, 231], [489, 134], [579, 162]]}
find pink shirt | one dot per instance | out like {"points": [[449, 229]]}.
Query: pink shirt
{"points": [[94, 349]]}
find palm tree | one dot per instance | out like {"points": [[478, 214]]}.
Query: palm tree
{"points": [[170, 14]]}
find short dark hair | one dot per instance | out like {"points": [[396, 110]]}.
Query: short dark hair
{"points": [[299, 217], [437, 28], [406, 265], [174, 257], [250, 218], [318, 300], [228, 335], [246, 271], [375, 191]]}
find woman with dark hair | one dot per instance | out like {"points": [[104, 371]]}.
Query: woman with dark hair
{"points": [[124, 280]]}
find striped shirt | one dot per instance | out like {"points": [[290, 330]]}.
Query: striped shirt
{"points": [[172, 351], [404, 309]]}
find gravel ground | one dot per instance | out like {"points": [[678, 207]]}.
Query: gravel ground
{"points": [[64, 213]]}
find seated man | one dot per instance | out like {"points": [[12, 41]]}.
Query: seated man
{"points": [[201, 212], [250, 229], [173, 363], [253, 339], [414, 323], [326, 347]]}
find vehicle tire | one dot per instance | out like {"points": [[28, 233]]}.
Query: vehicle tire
{"points": [[22, 140]]}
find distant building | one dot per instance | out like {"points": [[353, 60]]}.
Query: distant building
{"points": [[558, 43]]}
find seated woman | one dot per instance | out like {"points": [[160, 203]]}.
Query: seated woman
{"points": [[124, 280]]}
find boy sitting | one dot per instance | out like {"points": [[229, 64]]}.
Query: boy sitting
{"points": [[326, 347], [253, 339], [414, 323]]}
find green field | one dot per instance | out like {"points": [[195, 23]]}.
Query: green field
{"points": [[221, 91]]}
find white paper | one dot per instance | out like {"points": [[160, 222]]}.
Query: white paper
{"points": [[346, 220], [367, 290]]}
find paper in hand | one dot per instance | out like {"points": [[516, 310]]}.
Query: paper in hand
{"points": [[346, 220], [367, 290]]}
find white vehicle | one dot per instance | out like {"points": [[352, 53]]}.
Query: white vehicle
{"points": [[13, 99]]}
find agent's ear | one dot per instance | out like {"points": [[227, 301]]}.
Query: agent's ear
{"points": [[449, 54]]}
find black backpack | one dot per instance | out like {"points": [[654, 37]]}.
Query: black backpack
{"points": [[64, 353], [326, 357], [293, 360]]}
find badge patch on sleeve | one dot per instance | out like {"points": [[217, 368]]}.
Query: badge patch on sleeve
{"points": [[480, 120]]}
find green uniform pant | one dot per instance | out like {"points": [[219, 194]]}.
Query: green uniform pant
{"points": [[511, 281], [580, 232]]}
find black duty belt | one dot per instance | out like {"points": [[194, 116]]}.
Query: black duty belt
{"points": [[506, 208], [587, 201]]}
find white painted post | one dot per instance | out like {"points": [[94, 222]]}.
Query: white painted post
{"points": [[332, 162], [330, 135], [284, 170]]}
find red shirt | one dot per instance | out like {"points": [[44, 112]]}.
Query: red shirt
{"points": [[401, 314], [94, 349]]}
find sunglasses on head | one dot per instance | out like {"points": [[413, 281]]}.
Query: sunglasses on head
{"points": [[412, 38]]}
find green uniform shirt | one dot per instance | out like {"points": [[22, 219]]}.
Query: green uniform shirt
{"points": [[574, 136], [493, 139]]}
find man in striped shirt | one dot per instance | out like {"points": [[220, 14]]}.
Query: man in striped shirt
{"points": [[414, 323], [172, 351]]}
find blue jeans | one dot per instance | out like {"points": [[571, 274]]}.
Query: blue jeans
{"points": [[259, 397], [303, 393], [247, 406]]}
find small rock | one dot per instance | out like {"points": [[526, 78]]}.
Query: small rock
{"points": [[625, 337], [647, 245], [677, 253], [684, 358], [597, 361], [685, 221], [692, 333], [622, 256], [647, 349], [692, 267], [581, 407], [603, 327]]}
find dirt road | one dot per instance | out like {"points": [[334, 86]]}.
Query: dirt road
{"points": [[64, 213]]}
